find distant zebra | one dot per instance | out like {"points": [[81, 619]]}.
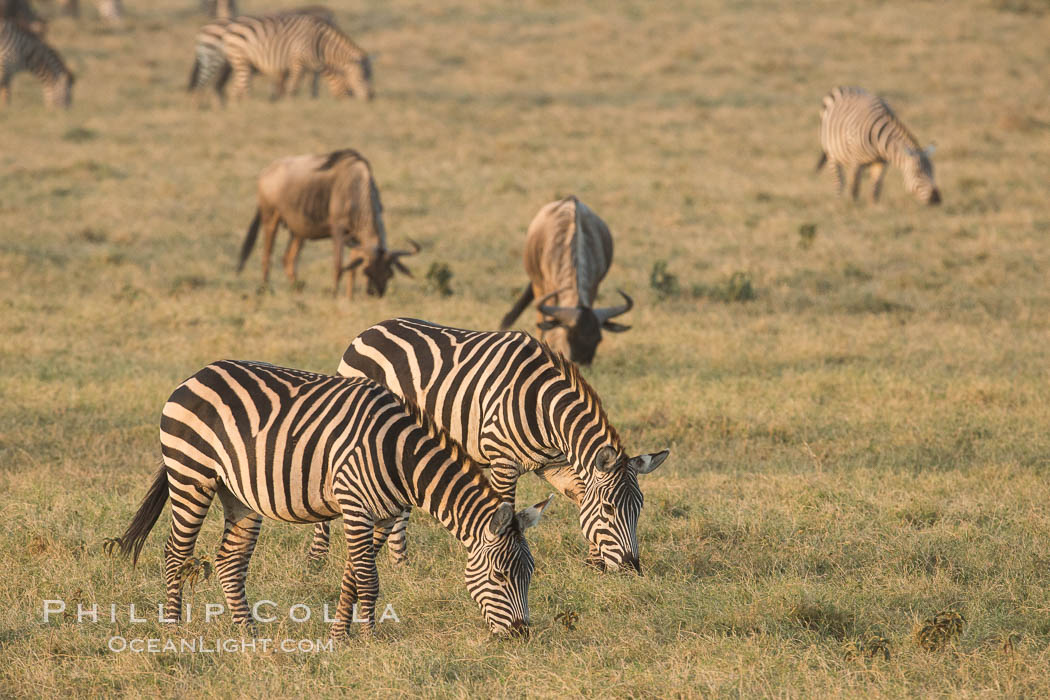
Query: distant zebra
{"points": [[285, 46], [21, 13], [223, 9], [303, 447], [516, 406], [859, 130], [22, 50], [211, 69]]}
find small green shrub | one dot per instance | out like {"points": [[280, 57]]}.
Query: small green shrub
{"points": [[663, 282], [438, 278]]}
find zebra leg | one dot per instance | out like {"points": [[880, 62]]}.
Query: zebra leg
{"points": [[565, 479], [858, 175], [320, 543], [5, 91], [840, 178], [315, 84], [271, 220], [235, 551], [295, 76], [878, 171], [394, 533], [359, 574], [242, 76], [189, 506]]}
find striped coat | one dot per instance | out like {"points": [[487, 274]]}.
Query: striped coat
{"points": [[303, 447], [858, 131], [285, 47], [21, 50], [516, 406]]}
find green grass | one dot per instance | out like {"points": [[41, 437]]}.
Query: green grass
{"points": [[859, 445]]}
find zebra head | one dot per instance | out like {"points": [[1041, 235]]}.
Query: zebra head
{"points": [[358, 76], [918, 175], [60, 92], [499, 568], [612, 503]]}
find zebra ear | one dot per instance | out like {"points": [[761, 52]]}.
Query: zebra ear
{"points": [[500, 520], [643, 464], [606, 459], [531, 515]]}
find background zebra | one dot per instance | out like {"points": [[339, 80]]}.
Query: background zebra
{"points": [[516, 406], [303, 447], [859, 130], [21, 13], [211, 69], [285, 46], [22, 50]]}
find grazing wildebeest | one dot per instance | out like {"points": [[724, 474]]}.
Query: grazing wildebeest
{"points": [[568, 250], [326, 196]]}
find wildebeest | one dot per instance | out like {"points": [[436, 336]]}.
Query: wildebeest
{"points": [[325, 196], [568, 250]]}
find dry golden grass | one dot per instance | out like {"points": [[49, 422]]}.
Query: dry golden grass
{"points": [[861, 445]]}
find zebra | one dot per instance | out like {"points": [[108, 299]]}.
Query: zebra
{"points": [[22, 50], [284, 46], [21, 13], [210, 67], [302, 447], [515, 405], [223, 9], [858, 130]]}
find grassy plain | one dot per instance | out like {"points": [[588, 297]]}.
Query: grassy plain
{"points": [[860, 446]]}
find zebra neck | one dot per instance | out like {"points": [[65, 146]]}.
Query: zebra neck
{"points": [[577, 428], [457, 497]]}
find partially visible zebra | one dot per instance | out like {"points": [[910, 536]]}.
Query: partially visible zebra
{"points": [[21, 13], [211, 69], [285, 46], [858, 130], [22, 50], [516, 406], [223, 9], [303, 447], [110, 10]]}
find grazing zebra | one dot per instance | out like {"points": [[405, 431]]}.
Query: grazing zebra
{"points": [[109, 10], [858, 130], [286, 46], [303, 447], [210, 67], [516, 406], [223, 9], [22, 50]]}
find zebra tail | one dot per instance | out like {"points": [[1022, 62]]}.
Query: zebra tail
{"points": [[195, 75], [519, 306], [146, 517], [249, 240], [822, 161]]}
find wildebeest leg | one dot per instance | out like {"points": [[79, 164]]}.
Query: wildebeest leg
{"points": [[858, 175], [270, 223], [878, 171], [337, 262], [291, 258]]}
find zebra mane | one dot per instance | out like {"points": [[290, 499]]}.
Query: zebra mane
{"points": [[337, 156], [571, 372], [445, 441]]}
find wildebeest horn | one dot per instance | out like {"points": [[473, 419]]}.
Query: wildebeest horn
{"points": [[565, 314], [605, 314], [395, 254]]}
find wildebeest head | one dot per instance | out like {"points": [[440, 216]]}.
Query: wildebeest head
{"points": [[379, 267], [583, 325]]}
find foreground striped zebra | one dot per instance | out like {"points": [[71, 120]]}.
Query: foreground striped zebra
{"points": [[211, 69], [303, 447], [516, 406], [858, 130], [286, 46], [21, 50]]}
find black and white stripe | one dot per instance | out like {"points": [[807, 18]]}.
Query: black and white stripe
{"points": [[21, 50], [285, 46], [302, 448], [858, 130], [516, 406]]}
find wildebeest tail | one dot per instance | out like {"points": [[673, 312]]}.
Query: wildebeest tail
{"points": [[146, 517], [519, 306], [249, 240], [822, 161]]}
